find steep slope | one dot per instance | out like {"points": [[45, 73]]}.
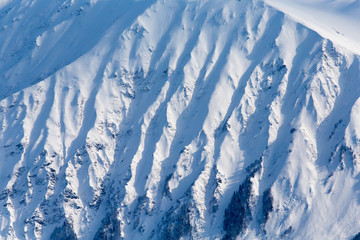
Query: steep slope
{"points": [[174, 119], [337, 20]]}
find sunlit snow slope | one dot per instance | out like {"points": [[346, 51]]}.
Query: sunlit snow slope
{"points": [[154, 119], [337, 20]]}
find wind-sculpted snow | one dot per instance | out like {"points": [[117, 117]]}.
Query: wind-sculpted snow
{"points": [[174, 119]]}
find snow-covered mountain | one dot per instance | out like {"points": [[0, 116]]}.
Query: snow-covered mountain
{"points": [[178, 119]]}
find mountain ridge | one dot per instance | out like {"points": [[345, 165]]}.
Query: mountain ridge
{"points": [[176, 117]]}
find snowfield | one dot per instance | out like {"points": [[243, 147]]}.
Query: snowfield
{"points": [[179, 119], [337, 20]]}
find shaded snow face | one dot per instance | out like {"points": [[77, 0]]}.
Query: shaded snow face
{"points": [[174, 119], [37, 38]]}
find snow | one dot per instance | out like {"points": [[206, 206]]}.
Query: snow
{"points": [[149, 115], [337, 20]]}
